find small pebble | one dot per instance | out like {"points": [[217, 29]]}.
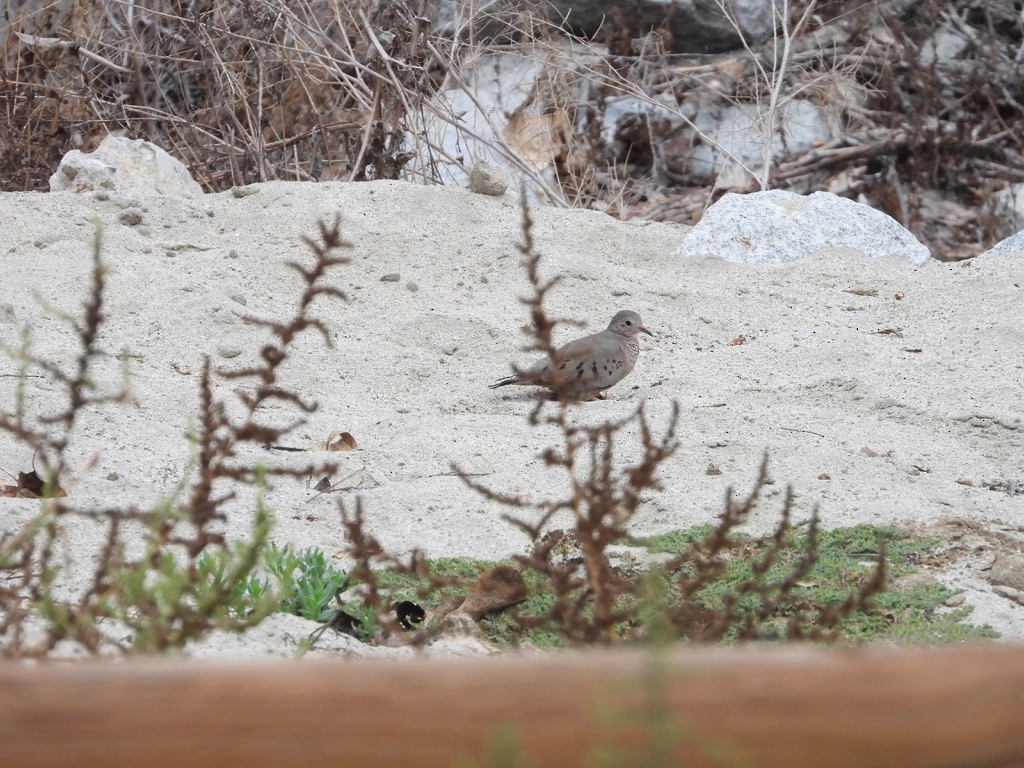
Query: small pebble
{"points": [[487, 179]]}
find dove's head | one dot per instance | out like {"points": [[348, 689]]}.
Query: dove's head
{"points": [[627, 323]]}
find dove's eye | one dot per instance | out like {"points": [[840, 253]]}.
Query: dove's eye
{"points": [[629, 322]]}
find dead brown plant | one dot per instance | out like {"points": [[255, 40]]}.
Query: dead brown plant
{"points": [[240, 92], [182, 582]]}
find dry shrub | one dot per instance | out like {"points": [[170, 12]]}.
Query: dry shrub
{"points": [[953, 122], [239, 91], [184, 578]]}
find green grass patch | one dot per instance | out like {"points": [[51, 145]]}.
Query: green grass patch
{"points": [[914, 614], [308, 585]]}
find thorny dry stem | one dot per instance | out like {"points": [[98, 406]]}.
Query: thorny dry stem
{"points": [[183, 584], [707, 560], [376, 601]]}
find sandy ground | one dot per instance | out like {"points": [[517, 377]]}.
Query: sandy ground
{"points": [[883, 392]]}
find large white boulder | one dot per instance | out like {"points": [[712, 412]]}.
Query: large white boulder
{"points": [[125, 166], [777, 226], [741, 130]]}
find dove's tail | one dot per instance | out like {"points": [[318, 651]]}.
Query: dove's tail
{"points": [[504, 382]]}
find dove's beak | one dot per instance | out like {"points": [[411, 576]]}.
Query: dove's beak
{"points": [[641, 329]]}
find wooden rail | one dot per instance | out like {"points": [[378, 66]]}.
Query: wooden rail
{"points": [[718, 707]]}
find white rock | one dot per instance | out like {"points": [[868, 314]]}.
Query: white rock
{"points": [[1011, 246], [282, 634], [739, 130], [943, 46], [486, 108], [126, 166], [777, 226], [1010, 206], [487, 179], [619, 108], [459, 646], [495, 86]]}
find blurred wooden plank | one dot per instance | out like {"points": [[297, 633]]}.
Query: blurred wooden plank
{"points": [[789, 707]]}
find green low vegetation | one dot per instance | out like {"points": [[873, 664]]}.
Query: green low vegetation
{"points": [[915, 613]]}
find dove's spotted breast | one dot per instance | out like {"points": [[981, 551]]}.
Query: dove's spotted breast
{"points": [[589, 365]]}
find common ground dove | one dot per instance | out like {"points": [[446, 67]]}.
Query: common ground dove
{"points": [[590, 365]]}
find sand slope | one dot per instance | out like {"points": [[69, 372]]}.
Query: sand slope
{"points": [[884, 392]]}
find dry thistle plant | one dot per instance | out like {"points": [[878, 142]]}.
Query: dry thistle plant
{"points": [[184, 581], [378, 605], [766, 605], [605, 495]]}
